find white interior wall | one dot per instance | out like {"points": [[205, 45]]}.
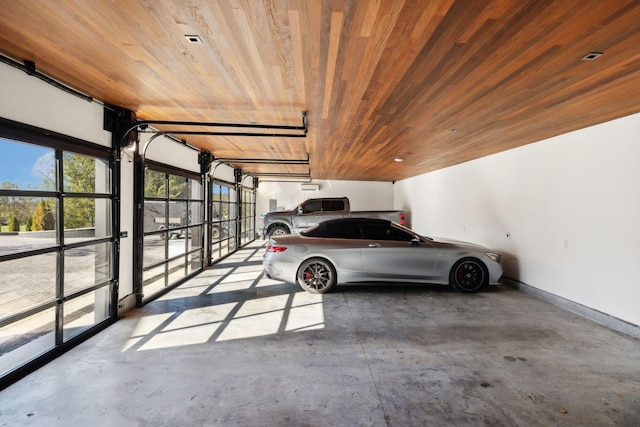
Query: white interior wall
{"points": [[363, 195], [223, 172], [27, 99], [167, 151], [570, 206]]}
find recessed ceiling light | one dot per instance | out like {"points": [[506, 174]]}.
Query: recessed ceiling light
{"points": [[591, 56], [193, 39], [398, 159]]}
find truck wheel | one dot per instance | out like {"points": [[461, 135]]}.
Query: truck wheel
{"points": [[215, 233], [278, 230]]}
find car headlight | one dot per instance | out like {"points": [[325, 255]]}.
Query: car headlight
{"points": [[494, 256]]}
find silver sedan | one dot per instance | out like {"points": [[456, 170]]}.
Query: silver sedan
{"points": [[357, 250]]}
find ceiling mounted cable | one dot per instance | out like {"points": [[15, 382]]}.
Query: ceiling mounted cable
{"points": [[297, 131], [29, 67], [281, 174], [266, 161]]}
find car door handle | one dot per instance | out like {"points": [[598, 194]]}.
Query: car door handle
{"points": [[374, 245]]}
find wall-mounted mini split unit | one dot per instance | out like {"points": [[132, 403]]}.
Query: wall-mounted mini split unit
{"points": [[310, 187]]}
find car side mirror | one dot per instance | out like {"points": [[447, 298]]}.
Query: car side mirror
{"points": [[299, 210], [415, 242]]}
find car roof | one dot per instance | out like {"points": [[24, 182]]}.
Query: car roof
{"points": [[356, 221]]}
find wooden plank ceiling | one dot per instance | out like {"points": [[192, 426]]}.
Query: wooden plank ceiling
{"points": [[436, 83]]}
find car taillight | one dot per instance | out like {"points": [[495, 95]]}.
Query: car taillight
{"points": [[401, 218], [272, 248]]}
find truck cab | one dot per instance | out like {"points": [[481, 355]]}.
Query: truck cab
{"points": [[308, 213]]}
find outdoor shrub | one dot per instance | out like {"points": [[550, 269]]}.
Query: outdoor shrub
{"points": [[14, 225], [43, 218]]}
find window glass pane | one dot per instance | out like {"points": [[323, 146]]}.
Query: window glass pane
{"points": [[195, 190], [312, 206], [84, 174], [26, 167], [195, 212], [85, 311], [177, 214], [155, 184], [215, 192], [400, 235], [17, 213], [177, 270], [26, 339], [232, 211], [153, 280], [376, 231], [86, 218], [342, 231], [215, 251], [194, 262], [177, 246], [178, 187], [27, 283], [34, 225], [86, 266], [232, 245], [154, 247], [224, 210], [195, 238], [231, 228], [32, 214], [154, 215], [333, 205], [218, 231]]}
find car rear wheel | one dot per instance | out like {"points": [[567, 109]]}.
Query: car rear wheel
{"points": [[278, 231], [317, 276], [469, 275]]}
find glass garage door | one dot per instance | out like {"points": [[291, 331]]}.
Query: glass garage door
{"points": [[223, 220], [248, 216], [56, 248], [173, 229]]}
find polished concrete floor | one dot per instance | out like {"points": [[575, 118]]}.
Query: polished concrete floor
{"points": [[232, 348]]}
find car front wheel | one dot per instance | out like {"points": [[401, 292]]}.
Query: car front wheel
{"points": [[469, 275], [317, 276]]}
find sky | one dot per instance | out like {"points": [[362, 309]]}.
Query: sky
{"points": [[23, 163]]}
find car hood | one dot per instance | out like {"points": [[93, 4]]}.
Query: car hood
{"points": [[458, 243]]}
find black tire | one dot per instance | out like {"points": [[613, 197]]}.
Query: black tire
{"points": [[317, 276], [469, 275], [278, 230], [215, 233]]}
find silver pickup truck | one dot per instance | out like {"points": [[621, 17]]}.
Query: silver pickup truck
{"points": [[314, 211]]}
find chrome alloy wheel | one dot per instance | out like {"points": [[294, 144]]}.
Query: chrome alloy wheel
{"points": [[316, 275]]}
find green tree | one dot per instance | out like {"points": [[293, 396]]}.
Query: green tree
{"points": [[43, 217], [79, 173], [155, 185], [79, 177], [19, 206], [29, 222], [14, 225]]}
